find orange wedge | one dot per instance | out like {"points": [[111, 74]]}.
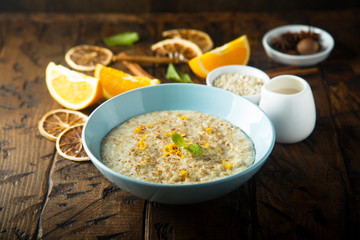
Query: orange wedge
{"points": [[234, 52], [114, 81], [72, 89]]}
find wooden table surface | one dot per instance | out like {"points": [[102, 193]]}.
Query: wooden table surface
{"points": [[308, 190]]}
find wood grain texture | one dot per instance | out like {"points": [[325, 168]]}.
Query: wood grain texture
{"points": [[82, 204], [175, 6], [308, 190]]}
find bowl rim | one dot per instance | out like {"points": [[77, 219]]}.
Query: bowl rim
{"points": [[285, 28], [98, 162], [213, 73]]}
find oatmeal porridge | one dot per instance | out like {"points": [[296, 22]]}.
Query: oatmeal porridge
{"points": [[177, 147], [244, 85]]}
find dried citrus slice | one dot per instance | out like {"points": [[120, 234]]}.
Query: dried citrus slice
{"points": [[72, 89], [200, 38], [56, 121], [234, 52], [177, 48], [85, 57], [69, 144], [114, 81]]}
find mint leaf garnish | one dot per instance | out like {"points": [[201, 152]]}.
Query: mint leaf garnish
{"points": [[176, 75], [194, 149], [178, 140], [122, 39], [185, 77]]}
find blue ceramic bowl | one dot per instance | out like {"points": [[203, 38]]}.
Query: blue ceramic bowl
{"points": [[234, 108]]}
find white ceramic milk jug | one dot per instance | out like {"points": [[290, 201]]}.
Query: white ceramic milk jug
{"points": [[289, 103]]}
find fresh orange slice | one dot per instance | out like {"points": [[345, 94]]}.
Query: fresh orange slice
{"points": [[85, 57], [115, 81], [177, 48], [56, 121], [69, 144], [234, 52], [200, 38], [72, 89]]}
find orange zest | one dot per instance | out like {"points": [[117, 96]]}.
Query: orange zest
{"points": [[172, 149], [183, 118], [183, 174], [169, 134], [228, 165], [139, 129], [141, 144], [234, 52]]}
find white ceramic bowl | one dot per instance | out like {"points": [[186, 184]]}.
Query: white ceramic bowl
{"points": [[241, 69], [237, 110], [326, 40]]}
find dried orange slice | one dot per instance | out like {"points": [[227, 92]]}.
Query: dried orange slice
{"points": [[72, 89], [177, 48], [234, 52], [56, 121], [69, 144], [114, 81], [85, 57], [200, 38]]}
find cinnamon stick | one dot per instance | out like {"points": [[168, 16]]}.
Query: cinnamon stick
{"points": [[134, 68], [146, 59], [293, 70]]}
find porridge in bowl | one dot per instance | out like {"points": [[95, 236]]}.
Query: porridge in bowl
{"points": [[177, 147]]}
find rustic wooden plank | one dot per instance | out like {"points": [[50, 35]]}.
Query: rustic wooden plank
{"points": [[344, 92], [228, 217], [341, 77], [24, 171], [82, 204], [305, 190], [176, 6]]}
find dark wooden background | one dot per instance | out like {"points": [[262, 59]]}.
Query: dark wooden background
{"points": [[309, 190], [186, 6]]}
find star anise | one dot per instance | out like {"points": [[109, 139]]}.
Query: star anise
{"points": [[287, 41]]}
